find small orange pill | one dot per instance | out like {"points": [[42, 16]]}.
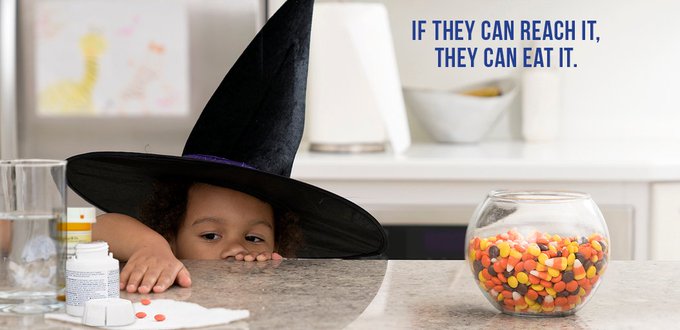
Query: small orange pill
{"points": [[145, 301], [159, 317], [140, 315]]}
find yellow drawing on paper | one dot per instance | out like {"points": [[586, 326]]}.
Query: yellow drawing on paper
{"points": [[75, 96]]}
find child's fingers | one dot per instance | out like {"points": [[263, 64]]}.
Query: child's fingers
{"points": [[125, 275], [276, 256], [150, 278], [165, 280], [263, 256], [239, 257], [135, 278], [250, 257], [184, 278]]}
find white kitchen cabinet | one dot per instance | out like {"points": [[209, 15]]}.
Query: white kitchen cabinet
{"points": [[437, 184], [665, 223]]}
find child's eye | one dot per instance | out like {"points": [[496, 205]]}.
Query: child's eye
{"points": [[211, 236], [254, 239]]}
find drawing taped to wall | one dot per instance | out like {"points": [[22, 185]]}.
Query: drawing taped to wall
{"points": [[111, 58]]}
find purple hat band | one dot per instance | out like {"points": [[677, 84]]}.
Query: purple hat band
{"points": [[220, 160]]}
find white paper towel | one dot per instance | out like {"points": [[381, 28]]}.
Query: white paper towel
{"points": [[354, 91], [541, 105], [178, 315]]}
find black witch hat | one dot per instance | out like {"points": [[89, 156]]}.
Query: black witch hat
{"points": [[245, 139]]}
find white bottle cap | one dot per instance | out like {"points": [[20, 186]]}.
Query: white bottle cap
{"points": [[109, 312], [81, 214]]}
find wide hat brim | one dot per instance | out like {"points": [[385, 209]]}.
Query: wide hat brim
{"points": [[332, 226]]}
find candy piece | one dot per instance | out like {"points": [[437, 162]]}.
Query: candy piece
{"points": [[483, 244], [579, 271], [560, 286], [494, 251], [516, 296], [596, 245], [504, 248], [542, 258], [559, 263], [159, 317], [590, 272], [529, 265], [512, 282], [486, 262], [553, 272], [534, 250], [145, 301], [140, 315], [541, 275], [522, 277]]}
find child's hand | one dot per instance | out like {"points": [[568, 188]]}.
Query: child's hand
{"points": [[153, 268], [254, 256]]}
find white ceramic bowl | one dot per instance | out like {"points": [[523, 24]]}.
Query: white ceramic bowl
{"points": [[450, 116]]}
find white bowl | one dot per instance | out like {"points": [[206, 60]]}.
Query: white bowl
{"points": [[450, 116]]}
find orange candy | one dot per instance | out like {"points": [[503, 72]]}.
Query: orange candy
{"points": [[140, 315], [159, 317], [572, 286], [145, 301], [560, 286]]}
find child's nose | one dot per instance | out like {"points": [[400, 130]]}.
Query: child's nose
{"points": [[231, 249]]}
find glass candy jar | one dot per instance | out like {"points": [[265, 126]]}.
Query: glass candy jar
{"points": [[537, 253]]}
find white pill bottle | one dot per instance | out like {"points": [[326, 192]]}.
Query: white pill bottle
{"points": [[92, 273]]}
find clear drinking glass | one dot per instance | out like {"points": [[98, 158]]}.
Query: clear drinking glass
{"points": [[33, 194], [537, 253]]}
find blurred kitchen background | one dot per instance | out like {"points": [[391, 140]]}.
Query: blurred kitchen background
{"points": [[387, 132]]}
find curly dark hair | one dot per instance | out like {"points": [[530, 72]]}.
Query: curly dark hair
{"points": [[166, 208]]}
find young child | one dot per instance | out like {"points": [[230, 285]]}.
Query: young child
{"points": [[230, 194]]}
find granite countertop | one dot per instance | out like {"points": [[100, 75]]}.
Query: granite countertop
{"points": [[370, 294]]}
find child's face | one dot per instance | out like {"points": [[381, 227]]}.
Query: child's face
{"points": [[222, 223]]}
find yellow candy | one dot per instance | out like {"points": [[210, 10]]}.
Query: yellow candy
{"points": [[504, 248], [542, 258], [537, 287], [515, 254], [522, 277], [594, 258], [483, 244], [596, 245], [473, 255], [534, 250], [553, 272], [481, 277], [552, 248], [581, 292], [570, 259], [500, 297], [512, 282], [535, 307], [551, 291], [529, 301], [591, 272]]}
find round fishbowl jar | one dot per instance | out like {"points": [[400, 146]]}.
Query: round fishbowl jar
{"points": [[537, 253]]}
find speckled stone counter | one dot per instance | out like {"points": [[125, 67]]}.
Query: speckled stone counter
{"points": [[376, 294]]}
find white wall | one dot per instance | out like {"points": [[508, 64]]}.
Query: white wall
{"points": [[623, 87]]}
